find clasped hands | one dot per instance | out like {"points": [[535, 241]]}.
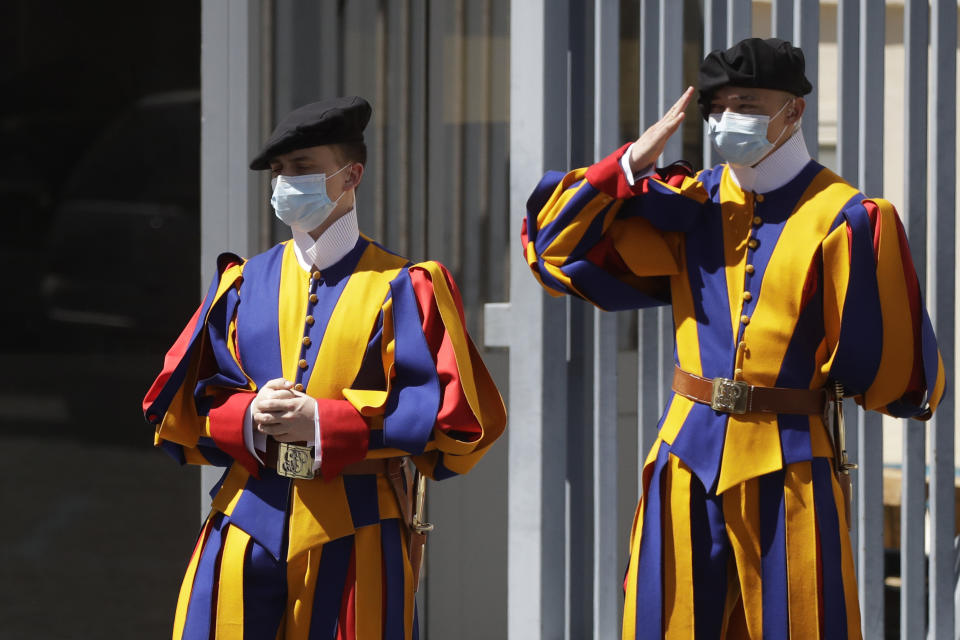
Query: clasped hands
{"points": [[284, 413]]}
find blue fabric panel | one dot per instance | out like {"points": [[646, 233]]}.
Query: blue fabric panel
{"points": [[700, 443], [710, 552], [362, 496], [861, 330], [773, 556], [258, 329], [261, 510], [264, 592], [440, 471], [392, 545], [650, 563], [174, 450], [331, 583], [411, 409], [610, 293], [199, 619], [214, 455], [828, 521], [708, 284]]}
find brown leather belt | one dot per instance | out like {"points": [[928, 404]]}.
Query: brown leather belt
{"points": [[362, 468], [736, 396]]}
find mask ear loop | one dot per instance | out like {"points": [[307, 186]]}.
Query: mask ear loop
{"points": [[796, 126]]}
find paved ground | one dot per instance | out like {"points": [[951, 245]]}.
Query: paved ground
{"points": [[79, 475]]}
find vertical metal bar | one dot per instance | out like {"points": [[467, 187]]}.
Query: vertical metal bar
{"points": [[941, 292], [606, 554], [913, 498], [648, 340], [781, 19], [394, 114], [231, 196], [870, 490], [714, 37], [848, 87], [419, 115], [739, 20], [537, 446], [806, 35]]}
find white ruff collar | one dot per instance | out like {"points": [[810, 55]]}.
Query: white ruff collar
{"points": [[776, 170], [332, 245]]}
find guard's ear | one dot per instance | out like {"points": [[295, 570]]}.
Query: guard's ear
{"points": [[795, 111], [354, 176]]}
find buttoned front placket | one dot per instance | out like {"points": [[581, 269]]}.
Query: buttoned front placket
{"points": [[308, 343]]}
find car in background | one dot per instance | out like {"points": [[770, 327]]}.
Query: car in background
{"points": [[124, 242]]}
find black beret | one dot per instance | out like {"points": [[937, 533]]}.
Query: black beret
{"points": [[332, 121], [754, 62]]}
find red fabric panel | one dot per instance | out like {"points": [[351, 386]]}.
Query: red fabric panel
{"points": [[344, 436], [607, 176], [170, 362], [454, 415], [347, 622], [226, 427]]}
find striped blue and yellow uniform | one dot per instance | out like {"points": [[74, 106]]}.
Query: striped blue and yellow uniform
{"points": [[738, 531], [381, 344]]}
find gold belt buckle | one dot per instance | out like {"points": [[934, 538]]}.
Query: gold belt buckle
{"points": [[729, 396], [294, 461]]}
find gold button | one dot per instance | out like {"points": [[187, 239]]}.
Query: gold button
{"points": [[759, 197], [745, 319], [742, 345], [737, 373], [753, 244], [306, 341], [315, 275], [313, 298], [750, 268], [303, 364], [757, 220], [310, 320], [298, 387], [747, 296]]}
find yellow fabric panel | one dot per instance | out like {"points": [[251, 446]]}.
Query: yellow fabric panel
{"points": [[310, 525], [751, 448], [565, 242], [678, 614], [773, 321], [836, 278], [344, 343], [291, 313], [740, 509], [301, 585], [644, 249], [560, 197], [821, 446], [849, 571], [677, 414], [690, 188], [387, 499], [630, 604], [803, 599], [369, 582], [409, 597], [186, 587], [229, 624], [896, 359], [685, 322], [193, 456], [229, 493], [736, 210]]}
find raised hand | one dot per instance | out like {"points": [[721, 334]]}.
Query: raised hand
{"points": [[650, 144]]}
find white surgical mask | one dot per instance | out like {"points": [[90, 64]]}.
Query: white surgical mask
{"points": [[302, 201], [741, 138]]}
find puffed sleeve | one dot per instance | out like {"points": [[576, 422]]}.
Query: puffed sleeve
{"points": [[881, 344], [591, 234], [198, 401], [440, 404]]}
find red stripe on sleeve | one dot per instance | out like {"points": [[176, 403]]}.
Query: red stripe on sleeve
{"points": [[226, 427], [170, 362], [607, 176], [454, 416], [344, 436]]}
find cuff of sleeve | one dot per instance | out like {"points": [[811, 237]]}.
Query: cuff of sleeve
{"points": [[317, 442], [250, 439], [344, 438], [227, 428], [628, 173], [609, 176]]}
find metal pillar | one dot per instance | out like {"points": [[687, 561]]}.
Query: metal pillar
{"points": [[534, 328], [231, 196]]}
